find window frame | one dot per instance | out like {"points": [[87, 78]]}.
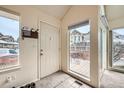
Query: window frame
{"points": [[110, 45], [18, 65], [82, 23]]}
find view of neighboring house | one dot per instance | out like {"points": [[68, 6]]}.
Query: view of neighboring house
{"points": [[8, 51], [80, 44], [7, 41]]}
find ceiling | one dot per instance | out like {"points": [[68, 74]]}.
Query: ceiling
{"points": [[114, 11], [57, 11]]}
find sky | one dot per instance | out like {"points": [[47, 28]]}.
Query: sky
{"points": [[9, 27], [119, 31], [83, 29]]}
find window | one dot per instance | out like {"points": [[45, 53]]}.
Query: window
{"points": [[78, 38], [80, 50], [9, 40], [118, 48]]}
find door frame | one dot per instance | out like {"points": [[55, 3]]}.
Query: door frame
{"points": [[39, 45]]}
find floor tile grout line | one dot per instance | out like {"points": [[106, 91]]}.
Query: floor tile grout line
{"points": [[61, 82]]}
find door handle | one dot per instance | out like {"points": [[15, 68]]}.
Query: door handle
{"points": [[41, 51], [41, 54]]}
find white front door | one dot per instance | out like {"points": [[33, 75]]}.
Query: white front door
{"points": [[49, 49]]}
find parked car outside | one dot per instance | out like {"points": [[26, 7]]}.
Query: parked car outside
{"points": [[8, 55]]}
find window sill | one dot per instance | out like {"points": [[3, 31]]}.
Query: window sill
{"points": [[10, 69]]}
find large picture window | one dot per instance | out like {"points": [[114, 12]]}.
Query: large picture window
{"points": [[9, 40], [80, 48]]}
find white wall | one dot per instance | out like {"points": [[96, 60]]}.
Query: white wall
{"points": [[28, 55], [75, 15]]}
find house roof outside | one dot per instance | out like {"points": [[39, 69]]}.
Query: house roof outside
{"points": [[85, 35], [75, 32], [11, 43]]}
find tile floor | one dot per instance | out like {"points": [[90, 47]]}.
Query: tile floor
{"points": [[60, 80], [112, 79]]}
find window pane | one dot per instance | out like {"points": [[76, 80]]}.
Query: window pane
{"points": [[9, 41], [80, 49], [118, 47]]}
